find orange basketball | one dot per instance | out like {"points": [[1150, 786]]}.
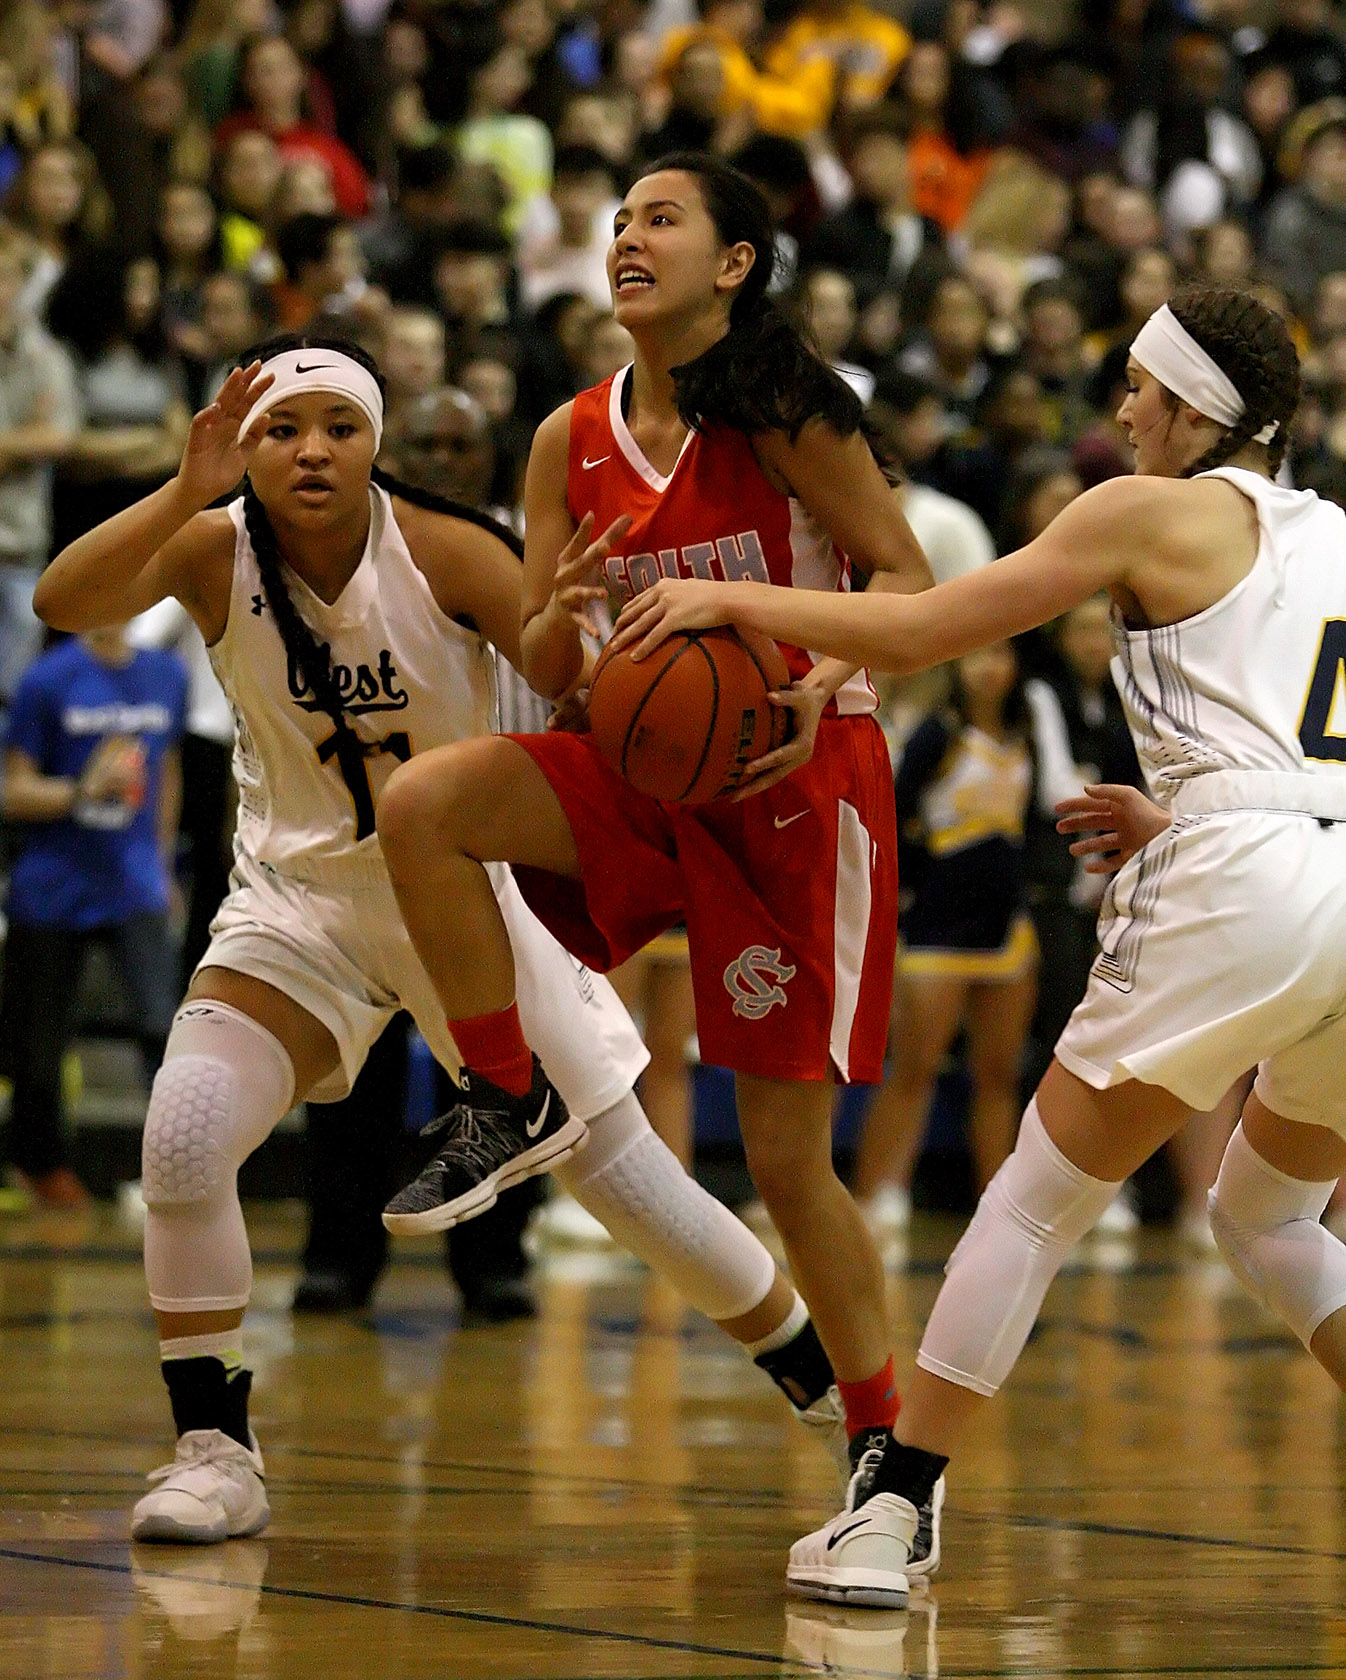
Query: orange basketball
{"points": [[682, 724]]}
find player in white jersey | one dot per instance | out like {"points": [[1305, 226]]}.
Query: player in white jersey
{"points": [[349, 628], [1223, 936]]}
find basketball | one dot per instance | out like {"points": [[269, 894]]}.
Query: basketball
{"points": [[683, 724]]}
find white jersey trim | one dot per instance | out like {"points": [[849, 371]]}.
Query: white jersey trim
{"points": [[631, 450]]}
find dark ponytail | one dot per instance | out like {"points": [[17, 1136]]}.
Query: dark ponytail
{"points": [[761, 376], [1250, 343]]}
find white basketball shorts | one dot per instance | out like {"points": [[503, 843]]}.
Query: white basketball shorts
{"points": [[1224, 948], [337, 946]]}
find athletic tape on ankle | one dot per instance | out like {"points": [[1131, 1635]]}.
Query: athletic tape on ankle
{"points": [[785, 1332], [224, 1345]]}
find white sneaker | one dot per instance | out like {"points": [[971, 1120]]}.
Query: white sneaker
{"points": [[213, 1490], [836, 1641], [826, 1417], [860, 1557], [925, 1548], [562, 1219], [888, 1211]]}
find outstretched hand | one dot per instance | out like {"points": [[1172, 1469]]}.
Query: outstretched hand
{"points": [[579, 584], [216, 456], [1116, 820]]}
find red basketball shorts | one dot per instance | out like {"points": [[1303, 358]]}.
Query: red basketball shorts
{"points": [[790, 898]]}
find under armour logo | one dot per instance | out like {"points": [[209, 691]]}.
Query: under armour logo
{"points": [[258, 606], [756, 981]]}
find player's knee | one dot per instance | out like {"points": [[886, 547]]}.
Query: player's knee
{"points": [[1267, 1226], [181, 1160], [789, 1181], [406, 808], [224, 1083]]}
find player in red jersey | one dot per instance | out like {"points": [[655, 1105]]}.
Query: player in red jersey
{"points": [[728, 450]]}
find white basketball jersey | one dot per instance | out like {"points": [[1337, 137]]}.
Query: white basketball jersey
{"points": [[411, 679], [1256, 682]]}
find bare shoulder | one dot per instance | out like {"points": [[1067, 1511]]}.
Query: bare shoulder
{"points": [[452, 554], [199, 568], [551, 440]]}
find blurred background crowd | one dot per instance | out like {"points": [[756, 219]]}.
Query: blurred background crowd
{"points": [[979, 205]]}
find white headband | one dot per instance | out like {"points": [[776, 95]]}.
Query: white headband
{"points": [[297, 372], [1165, 348]]}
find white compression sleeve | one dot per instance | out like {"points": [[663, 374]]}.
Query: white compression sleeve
{"points": [[631, 1181], [224, 1083], [1032, 1213], [1267, 1227]]}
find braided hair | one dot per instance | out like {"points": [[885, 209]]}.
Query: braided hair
{"points": [[310, 657], [1251, 345]]}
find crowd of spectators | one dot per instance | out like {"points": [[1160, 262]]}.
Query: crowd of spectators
{"points": [[979, 204]]}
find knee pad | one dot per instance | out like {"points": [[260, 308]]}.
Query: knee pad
{"points": [[1267, 1227], [1033, 1212], [631, 1181], [224, 1083]]}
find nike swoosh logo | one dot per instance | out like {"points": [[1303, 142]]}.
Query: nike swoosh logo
{"points": [[589, 465], [533, 1127], [784, 822], [841, 1533], [313, 367]]}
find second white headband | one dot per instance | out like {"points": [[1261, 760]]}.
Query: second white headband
{"points": [[1165, 349]]}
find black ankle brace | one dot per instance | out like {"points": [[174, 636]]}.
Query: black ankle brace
{"points": [[801, 1369], [909, 1472], [204, 1396]]}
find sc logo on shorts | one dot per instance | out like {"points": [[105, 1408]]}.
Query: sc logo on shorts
{"points": [[756, 981]]}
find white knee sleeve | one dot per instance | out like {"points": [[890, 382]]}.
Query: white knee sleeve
{"points": [[1267, 1227], [223, 1085], [632, 1181], [1033, 1212]]}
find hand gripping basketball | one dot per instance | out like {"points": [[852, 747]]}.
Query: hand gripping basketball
{"points": [[688, 724]]}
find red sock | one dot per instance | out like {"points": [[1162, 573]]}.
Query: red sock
{"points": [[493, 1046], [871, 1404]]}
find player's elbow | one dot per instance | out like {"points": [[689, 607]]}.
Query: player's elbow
{"points": [[57, 606]]}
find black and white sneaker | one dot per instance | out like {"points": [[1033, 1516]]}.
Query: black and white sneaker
{"points": [[925, 1547], [493, 1140]]}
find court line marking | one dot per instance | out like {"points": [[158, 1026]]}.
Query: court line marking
{"points": [[757, 1499], [442, 1612], [785, 1668]]}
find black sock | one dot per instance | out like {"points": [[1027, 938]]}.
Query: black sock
{"points": [[908, 1471], [877, 1436], [205, 1396], [800, 1369]]}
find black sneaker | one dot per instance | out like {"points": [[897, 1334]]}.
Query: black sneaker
{"points": [[866, 1455], [494, 1140]]}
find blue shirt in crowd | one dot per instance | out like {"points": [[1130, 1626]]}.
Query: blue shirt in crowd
{"points": [[102, 864]]}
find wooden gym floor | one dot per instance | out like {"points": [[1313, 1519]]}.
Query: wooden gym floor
{"points": [[611, 1491]]}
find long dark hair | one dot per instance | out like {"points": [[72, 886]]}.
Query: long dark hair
{"points": [[1252, 346], [310, 657], [761, 376]]}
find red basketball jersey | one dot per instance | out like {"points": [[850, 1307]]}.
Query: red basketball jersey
{"points": [[716, 515]]}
